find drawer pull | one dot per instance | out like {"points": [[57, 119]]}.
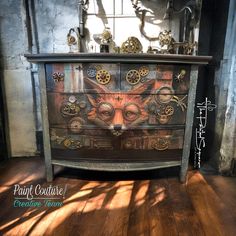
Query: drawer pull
{"points": [[160, 144]]}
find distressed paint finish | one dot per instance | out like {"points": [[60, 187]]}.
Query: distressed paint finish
{"points": [[120, 159], [42, 26], [45, 124], [189, 123], [225, 131]]}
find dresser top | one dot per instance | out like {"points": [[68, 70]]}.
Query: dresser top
{"points": [[117, 58]]}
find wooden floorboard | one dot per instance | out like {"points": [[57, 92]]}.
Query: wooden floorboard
{"points": [[99, 203], [186, 220]]}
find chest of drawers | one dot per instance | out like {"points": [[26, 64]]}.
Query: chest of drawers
{"points": [[117, 112]]}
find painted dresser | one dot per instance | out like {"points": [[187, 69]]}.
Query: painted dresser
{"points": [[117, 112]]}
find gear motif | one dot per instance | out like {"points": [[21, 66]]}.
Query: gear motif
{"points": [[143, 71], [72, 144], [58, 76], [169, 110], [103, 77], [160, 144], [75, 125], [72, 99], [91, 72], [131, 45], [70, 109], [133, 77], [98, 67]]}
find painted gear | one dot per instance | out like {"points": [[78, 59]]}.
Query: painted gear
{"points": [[103, 77], [75, 125], [143, 71], [169, 110], [91, 72], [133, 77]]}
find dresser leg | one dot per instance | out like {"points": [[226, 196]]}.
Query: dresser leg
{"points": [[183, 177], [49, 172]]}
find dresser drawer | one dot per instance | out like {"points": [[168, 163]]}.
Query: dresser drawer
{"points": [[75, 77], [70, 77], [109, 110], [89, 139], [174, 77]]}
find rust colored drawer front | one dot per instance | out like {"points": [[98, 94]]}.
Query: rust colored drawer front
{"points": [[159, 140], [110, 78], [174, 77], [111, 111], [75, 77]]}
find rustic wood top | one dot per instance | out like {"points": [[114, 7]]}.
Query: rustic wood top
{"points": [[111, 57]]}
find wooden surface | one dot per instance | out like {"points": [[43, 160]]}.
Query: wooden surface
{"points": [[141, 203], [45, 123], [117, 57], [189, 123], [111, 111]]}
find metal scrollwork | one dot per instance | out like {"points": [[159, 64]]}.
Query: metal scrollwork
{"points": [[180, 102], [168, 45]]}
